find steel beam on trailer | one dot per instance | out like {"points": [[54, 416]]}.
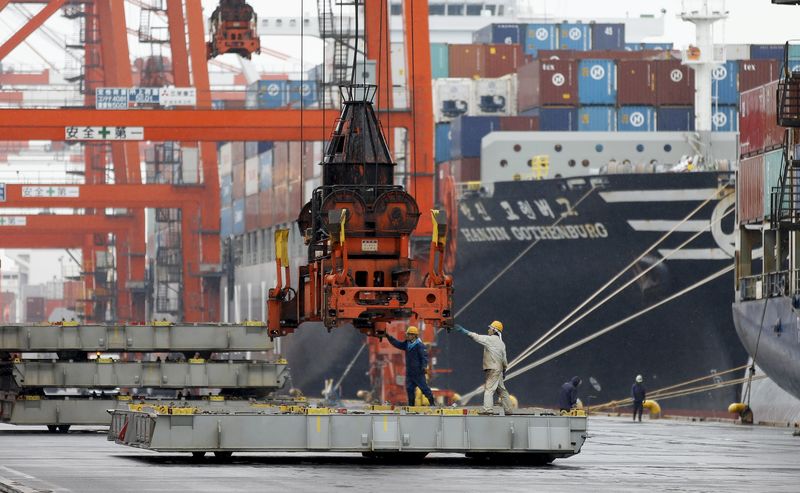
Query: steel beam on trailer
{"points": [[134, 338], [158, 374], [449, 431]]}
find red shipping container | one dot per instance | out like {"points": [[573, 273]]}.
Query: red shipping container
{"points": [[750, 189], [752, 122], [295, 199], [606, 54], [674, 83], [280, 163], [773, 135], [238, 180], [280, 204], [502, 59], [467, 61], [265, 198], [754, 73], [237, 152], [636, 82], [251, 212], [466, 169], [519, 123], [295, 160], [547, 83]]}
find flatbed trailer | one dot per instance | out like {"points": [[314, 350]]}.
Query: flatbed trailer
{"points": [[529, 436]]}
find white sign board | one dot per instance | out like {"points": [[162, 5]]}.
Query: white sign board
{"points": [[178, 96], [51, 191], [111, 98], [103, 133], [143, 95], [13, 220]]}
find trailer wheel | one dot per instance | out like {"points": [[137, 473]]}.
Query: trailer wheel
{"points": [[198, 455], [223, 455], [52, 428], [63, 428]]}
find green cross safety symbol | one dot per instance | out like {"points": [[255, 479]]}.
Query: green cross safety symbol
{"points": [[2, 220], [104, 133], [51, 191]]}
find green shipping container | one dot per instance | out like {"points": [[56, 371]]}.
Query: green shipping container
{"points": [[772, 173], [439, 61]]}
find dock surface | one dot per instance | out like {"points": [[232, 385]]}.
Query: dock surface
{"points": [[664, 455]]}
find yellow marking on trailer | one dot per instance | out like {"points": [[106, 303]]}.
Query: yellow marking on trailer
{"points": [[319, 424], [385, 423]]}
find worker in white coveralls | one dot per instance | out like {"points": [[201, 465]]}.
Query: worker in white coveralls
{"points": [[494, 365]]}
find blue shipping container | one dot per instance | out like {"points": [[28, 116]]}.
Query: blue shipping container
{"points": [[597, 119], [440, 60], [442, 150], [675, 119], [466, 133], [576, 37], [265, 170], [308, 90], [264, 146], [597, 81], [225, 222], [608, 36], [766, 52], [266, 94], [540, 37], [724, 118], [725, 83], [509, 34], [226, 190], [648, 46], [636, 119], [558, 119], [238, 217]]}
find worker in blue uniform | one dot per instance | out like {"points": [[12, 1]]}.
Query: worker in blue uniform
{"points": [[568, 398], [416, 364], [639, 394]]}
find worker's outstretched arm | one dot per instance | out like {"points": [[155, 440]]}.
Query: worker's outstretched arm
{"points": [[480, 339], [394, 342]]}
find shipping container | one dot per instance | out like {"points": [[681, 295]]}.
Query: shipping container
{"points": [[280, 204], [675, 118], [724, 118], [35, 309], [308, 89], [266, 94], [265, 170], [597, 82], [754, 73], [264, 146], [608, 36], [238, 180], [467, 61], [466, 133], [452, 98], [226, 221], [674, 83], [558, 119], [750, 189], [226, 190], [439, 61], [519, 123], [773, 136], [495, 97], [636, 82], [500, 34], [251, 211], [503, 60], [636, 119], [238, 217], [266, 206], [766, 52], [737, 52], [540, 37], [597, 118], [773, 162], [251, 166], [547, 82], [442, 142], [237, 152], [657, 46], [224, 150], [575, 37], [280, 164], [295, 199], [466, 169], [725, 83], [250, 149], [752, 121]]}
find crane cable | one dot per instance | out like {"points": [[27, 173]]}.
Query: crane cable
{"points": [[541, 341], [550, 336], [752, 369], [466, 397]]}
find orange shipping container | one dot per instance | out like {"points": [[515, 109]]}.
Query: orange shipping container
{"points": [[280, 163], [280, 204], [503, 59], [750, 190], [251, 213], [238, 180], [266, 206]]}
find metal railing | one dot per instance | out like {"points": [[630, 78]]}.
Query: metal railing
{"points": [[769, 285]]}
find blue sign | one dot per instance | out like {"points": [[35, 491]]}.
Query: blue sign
{"points": [[111, 98], [2, 192], [143, 95]]}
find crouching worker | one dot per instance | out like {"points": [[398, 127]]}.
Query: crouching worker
{"points": [[494, 366]]}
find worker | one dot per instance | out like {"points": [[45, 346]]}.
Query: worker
{"points": [[494, 365], [639, 394], [568, 398], [416, 364]]}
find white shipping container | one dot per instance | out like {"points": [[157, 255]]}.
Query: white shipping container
{"points": [[225, 158], [737, 52], [221, 78], [398, 58], [452, 98], [495, 97], [251, 165]]}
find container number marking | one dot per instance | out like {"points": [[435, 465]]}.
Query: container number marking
{"points": [[369, 245]]}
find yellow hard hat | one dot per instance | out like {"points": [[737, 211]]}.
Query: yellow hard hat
{"points": [[412, 330], [497, 325]]}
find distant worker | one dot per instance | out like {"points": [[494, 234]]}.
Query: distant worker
{"points": [[494, 366], [639, 394], [416, 364], [568, 398]]}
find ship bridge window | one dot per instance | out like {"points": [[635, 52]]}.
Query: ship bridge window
{"points": [[490, 8], [640, 148], [396, 9], [474, 9], [598, 148], [455, 10], [436, 9], [667, 148]]}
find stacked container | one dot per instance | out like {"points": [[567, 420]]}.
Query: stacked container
{"points": [[495, 97], [547, 83], [608, 36], [500, 34], [636, 119], [540, 37], [597, 118], [266, 94], [452, 98], [597, 82], [476, 61], [440, 68], [575, 37]]}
